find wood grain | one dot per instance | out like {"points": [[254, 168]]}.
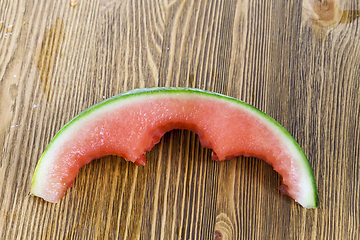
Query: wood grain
{"points": [[298, 61]]}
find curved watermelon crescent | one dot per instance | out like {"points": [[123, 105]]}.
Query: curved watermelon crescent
{"points": [[131, 123]]}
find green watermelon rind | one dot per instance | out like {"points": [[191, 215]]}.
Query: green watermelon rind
{"points": [[136, 93]]}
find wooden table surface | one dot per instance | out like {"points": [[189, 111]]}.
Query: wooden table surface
{"points": [[298, 61]]}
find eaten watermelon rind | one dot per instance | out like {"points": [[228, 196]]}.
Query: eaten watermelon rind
{"points": [[309, 201]]}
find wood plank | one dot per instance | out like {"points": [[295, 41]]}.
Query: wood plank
{"points": [[297, 61]]}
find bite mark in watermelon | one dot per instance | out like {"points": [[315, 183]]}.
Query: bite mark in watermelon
{"points": [[131, 123]]}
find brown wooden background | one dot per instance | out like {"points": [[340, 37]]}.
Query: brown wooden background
{"points": [[298, 61]]}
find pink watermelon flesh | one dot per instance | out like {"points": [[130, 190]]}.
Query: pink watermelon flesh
{"points": [[131, 126]]}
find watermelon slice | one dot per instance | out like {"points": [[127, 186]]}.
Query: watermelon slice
{"points": [[131, 123]]}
